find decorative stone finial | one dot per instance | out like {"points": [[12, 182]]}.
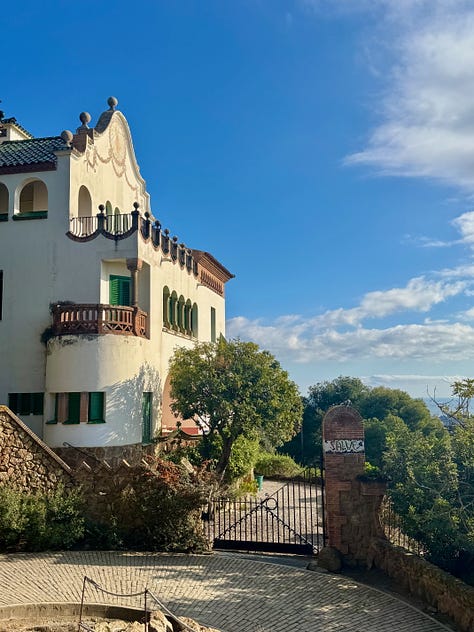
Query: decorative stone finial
{"points": [[112, 102], [67, 137], [85, 118]]}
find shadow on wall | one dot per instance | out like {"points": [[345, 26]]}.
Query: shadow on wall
{"points": [[127, 395]]}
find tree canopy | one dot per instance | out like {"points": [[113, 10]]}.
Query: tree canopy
{"points": [[429, 468], [232, 388]]}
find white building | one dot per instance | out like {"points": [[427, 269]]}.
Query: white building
{"points": [[94, 294]]}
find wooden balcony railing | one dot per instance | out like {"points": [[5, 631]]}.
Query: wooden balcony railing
{"points": [[99, 319]]}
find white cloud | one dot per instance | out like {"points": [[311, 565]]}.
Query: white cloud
{"points": [[467, 315], [419, 295], [435, 342], [427, 122], [435, 386], [340, 335], [465, 224]]}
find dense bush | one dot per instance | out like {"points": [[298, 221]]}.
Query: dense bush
{"points": [[157, 507], [277, 466], [40, 521]]}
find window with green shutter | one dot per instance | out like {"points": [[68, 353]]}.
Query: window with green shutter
{"points": [[146, 417], [26, 403], [96, 408], [37, 400], [213, 324], [119, 290], [74, 408]]}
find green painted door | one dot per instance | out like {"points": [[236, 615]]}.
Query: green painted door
{"points": [[146, 417]]}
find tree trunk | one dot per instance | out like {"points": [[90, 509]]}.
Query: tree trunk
{"points": [[224, 457]]}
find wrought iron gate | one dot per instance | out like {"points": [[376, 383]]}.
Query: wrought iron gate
{"points": [[290, 520]]}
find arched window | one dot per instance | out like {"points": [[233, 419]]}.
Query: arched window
{"points": [[34, 198], [194, 320], [84, 211], [109, 222], [187, 317], [174, 310], [166, 307], [4, 197], [84, 202], [121, 223], [181, 314]]}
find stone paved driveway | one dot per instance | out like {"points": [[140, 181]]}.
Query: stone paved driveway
{"points": [[230, 593]]}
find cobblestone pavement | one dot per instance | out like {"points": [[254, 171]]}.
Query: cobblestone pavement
{"points": [[233, 594]]}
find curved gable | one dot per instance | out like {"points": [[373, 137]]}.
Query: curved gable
{"points": [[109, 146]]}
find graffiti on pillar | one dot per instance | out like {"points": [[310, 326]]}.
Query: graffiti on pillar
{"points": [[343, 446]]}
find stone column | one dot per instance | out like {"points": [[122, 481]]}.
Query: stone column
{"points": [[134, 265]]}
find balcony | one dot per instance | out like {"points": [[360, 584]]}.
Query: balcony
{"points": [[99, 319]]}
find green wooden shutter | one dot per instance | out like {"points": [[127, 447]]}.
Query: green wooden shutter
{"points": [[24, 403], [74, 408], [119, 290], [96, 407], [125, 291], [113, 291], [146, 417], [37, 400], [213, 324], [13, 402]]}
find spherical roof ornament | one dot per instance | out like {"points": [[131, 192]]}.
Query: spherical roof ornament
{"points": [[67, 137], [85, 118], [112, 102]]}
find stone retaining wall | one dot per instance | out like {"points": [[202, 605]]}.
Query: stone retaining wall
{"points": [[25, 461], [111, 455], [434, 586]]}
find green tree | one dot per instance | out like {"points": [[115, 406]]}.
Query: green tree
{"points": [[232, 388], [423, 489], [459, 409], [379, 402]]}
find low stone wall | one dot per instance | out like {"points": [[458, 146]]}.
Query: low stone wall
{"points": [[434, 586], [111, 455], [25, 461]]}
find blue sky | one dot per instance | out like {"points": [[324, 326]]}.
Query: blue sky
{"points": [[323, 150]]}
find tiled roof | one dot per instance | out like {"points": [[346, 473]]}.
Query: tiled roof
{"points": [[14, 122], [34, 151]]}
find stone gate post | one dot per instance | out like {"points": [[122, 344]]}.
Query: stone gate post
{"points": [[352, 503]]}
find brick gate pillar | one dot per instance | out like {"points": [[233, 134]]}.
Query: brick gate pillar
{"points": [[352, 503]]}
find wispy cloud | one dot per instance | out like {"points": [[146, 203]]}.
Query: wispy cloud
{"points": [[342, 334], [464, 224], [435, 386], [435, 342], [427, 121]]}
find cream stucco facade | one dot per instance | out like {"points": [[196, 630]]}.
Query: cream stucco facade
{"points": [[94, 295]]}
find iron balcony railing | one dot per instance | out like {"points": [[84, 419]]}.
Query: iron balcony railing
{"points": [[117, 224]]}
